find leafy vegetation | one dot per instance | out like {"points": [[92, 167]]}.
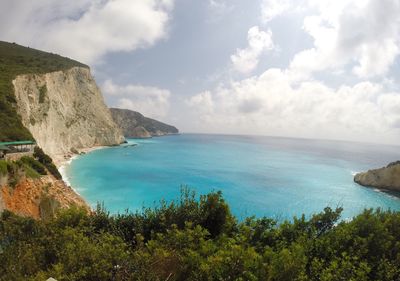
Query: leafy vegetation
{"points": [[42, 93], [24, 167], [46, 161], [199, 240], [31, 167], [16, 60], [34, 164], [3, 168]]}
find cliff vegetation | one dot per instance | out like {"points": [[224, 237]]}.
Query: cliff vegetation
{"points": [[32, 167], [11, 172], [16, 60], [193, 239], [32, 186]]}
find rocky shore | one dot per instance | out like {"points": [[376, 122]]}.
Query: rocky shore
{"points": [[387, 178]]}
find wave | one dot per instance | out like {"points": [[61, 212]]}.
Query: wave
{"points": [[353, 173], [63, 171]]}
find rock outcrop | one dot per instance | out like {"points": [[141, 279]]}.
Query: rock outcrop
{"points": [[135, 125], [39, 198], [387, 178], [65, 111]]}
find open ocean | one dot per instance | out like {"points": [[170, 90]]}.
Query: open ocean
{"points": [[275, 177]]}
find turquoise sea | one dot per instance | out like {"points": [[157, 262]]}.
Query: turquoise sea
{"points": [[276, 177]]}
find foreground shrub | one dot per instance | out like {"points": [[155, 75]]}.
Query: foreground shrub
{"points": [[199, 239]]}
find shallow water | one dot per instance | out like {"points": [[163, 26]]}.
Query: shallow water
{"points": [[276, 177]]}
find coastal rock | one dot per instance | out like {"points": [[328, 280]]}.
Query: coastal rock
{"points": [[39, 198], [65, 111], [135, 125], [384, 178]]}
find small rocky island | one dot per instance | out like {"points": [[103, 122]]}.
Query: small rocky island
{"points": [[135, 125], [384, 178]]}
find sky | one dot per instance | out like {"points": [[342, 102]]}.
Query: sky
{"points": [[325, 69]]}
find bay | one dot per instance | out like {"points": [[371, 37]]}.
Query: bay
{"points": [[261, 176]]}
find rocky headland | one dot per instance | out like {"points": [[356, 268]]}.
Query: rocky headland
{"points": [[55, 102], [387, 178], [135, 125], [65, 112]]}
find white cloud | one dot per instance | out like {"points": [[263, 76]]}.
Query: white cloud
{"points": [[203, 102], [360, 37], [246, 60], [390, 104], [273, 8], [362, 34], [150, 101], [272, 104], [85, 30]]}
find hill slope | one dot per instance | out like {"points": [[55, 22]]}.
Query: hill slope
{"points": [[16, 60], [135, 125]]}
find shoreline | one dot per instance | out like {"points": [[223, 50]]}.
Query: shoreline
{"points": [[66, 159], [62, 161]]}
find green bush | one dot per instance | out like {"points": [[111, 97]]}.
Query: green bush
{"points": [[30, 172], [15, 171], [3, 167], [42, 93], [34, 164], [46, 161], [174, 242], [24, 167]]}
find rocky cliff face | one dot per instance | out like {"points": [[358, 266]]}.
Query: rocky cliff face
{"points": [[39, 198], [65, 111], [135, 125], [385, 178]]}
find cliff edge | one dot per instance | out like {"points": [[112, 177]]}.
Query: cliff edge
{"points": [[65, 111], [384, 178], [135, 125], [54, 101]]}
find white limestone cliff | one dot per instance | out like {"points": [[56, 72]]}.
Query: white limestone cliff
{"points": [[65, 111]]}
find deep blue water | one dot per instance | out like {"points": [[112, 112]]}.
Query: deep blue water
{"points": [[276, 177]]}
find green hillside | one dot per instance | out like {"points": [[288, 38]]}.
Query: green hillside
{"points": [[16, 60]]}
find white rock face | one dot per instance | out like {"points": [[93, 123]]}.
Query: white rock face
{"points": [[65, 111], [385, 178]]}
